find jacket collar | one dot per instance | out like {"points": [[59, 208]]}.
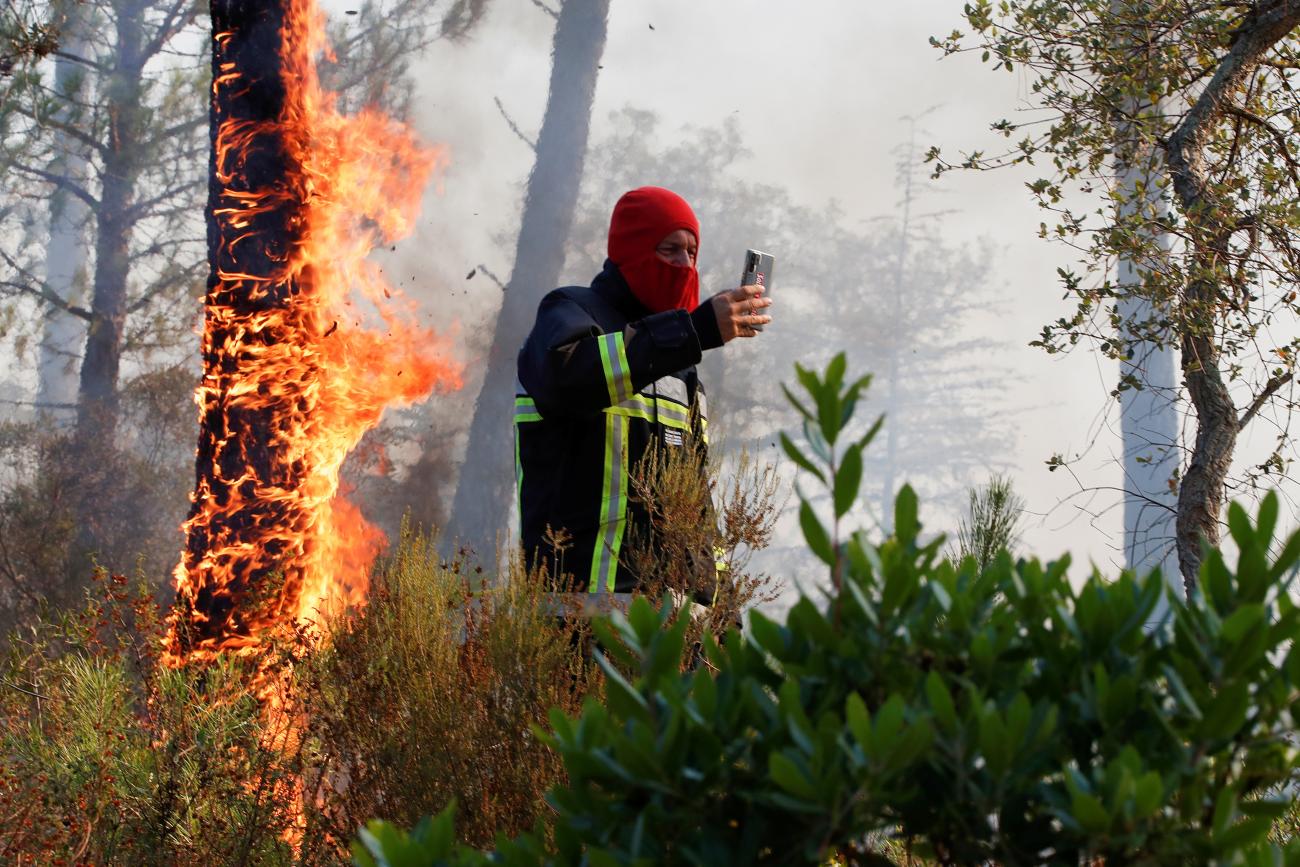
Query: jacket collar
{"points": [[611, 285]]}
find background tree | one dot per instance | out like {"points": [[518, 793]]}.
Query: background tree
{"points": [[480, 510], [994, 513], [1208, 90]]}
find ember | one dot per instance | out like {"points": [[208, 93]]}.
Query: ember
{"points": [[293, 377]]}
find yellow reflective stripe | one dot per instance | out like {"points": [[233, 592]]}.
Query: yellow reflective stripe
{"points": [[526, 410], [704, 429], [672, 413], [519, 484], [613, 505], [618, 376], [665, 412]]}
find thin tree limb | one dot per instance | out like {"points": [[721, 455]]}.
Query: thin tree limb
{"points": [[547, 9], [59, 181], [1270, 388], [494, 278], [514, 127]]}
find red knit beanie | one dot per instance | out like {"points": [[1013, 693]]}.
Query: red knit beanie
{"points": [[641, 219]]}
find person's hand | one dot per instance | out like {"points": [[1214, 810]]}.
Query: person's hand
{"points": [[738, 311]]}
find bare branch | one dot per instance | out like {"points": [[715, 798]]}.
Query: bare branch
{"points": [[494, 278], [1270, 388], [547, 9], [65, 128], [1278, 136], [77, 58], [171, 24], [37, 289], [12, 685], [59, 181], [513, 126]]}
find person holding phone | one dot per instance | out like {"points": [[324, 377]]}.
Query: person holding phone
{"points": [[608, 373]]}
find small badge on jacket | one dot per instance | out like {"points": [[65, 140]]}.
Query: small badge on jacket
{"points": [[673, 437]]}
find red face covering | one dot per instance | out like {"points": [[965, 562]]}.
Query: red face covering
{"points": [[643, 218]]}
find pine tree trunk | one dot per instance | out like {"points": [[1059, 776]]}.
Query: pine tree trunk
{"points": [[480, 510], [248, 62], [65, 256], [97, 397]]}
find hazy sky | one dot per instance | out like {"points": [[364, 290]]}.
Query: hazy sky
{"points": [[820, 89]]}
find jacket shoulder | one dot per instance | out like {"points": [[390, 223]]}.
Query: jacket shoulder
{"points": [[565, 299]]}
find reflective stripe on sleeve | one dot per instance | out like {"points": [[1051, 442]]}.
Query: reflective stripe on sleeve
{"points": [[526, 409], [613, 505], [618, 377]]}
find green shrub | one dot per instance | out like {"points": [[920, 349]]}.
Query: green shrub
{"points": [[996, 715], [428, 694], [107, 757]]}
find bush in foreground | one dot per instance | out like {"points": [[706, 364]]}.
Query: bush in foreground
{"points": [[974, 715]]}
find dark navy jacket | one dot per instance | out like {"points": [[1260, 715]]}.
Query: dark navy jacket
{"points": [[601, 380]]}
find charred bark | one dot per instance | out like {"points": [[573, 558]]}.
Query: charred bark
{"points": [[1200, 498], [480, 510], [240, 444]]}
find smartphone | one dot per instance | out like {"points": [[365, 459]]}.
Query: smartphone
{"points": [[758, 270]]}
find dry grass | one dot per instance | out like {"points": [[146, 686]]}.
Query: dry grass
{"points": [[429, 695], [703, 534]]}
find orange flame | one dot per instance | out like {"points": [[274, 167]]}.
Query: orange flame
{"points": [[301, 357]]}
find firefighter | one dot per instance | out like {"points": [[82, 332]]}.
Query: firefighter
{"points": [[608, 373]]}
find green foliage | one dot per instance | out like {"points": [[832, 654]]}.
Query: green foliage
{"points": [[992, 523], [997, 715], [1162, 133], [107, 757]]}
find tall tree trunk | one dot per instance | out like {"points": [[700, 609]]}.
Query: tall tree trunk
{"points": [[480, 510], [1210, 223], [97, 398], [1149, 413], [65, 255], [1149, 427], [242, 443]]}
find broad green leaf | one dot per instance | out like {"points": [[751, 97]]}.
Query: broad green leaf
{"points": [[815, 534], [1245, 619], [906, 510], [1227, 711], [792, 451], [847, 479], [797, 404], [786, 774], [870, 435], [941, 705], [1267, 523], [1148, 795], [859, 721], [1089, 812]]}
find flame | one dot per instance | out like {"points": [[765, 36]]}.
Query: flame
{"points": [[304, 347]]}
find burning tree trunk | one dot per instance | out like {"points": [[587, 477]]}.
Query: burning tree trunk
{"points": [[292, 377], [481, 506]]}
